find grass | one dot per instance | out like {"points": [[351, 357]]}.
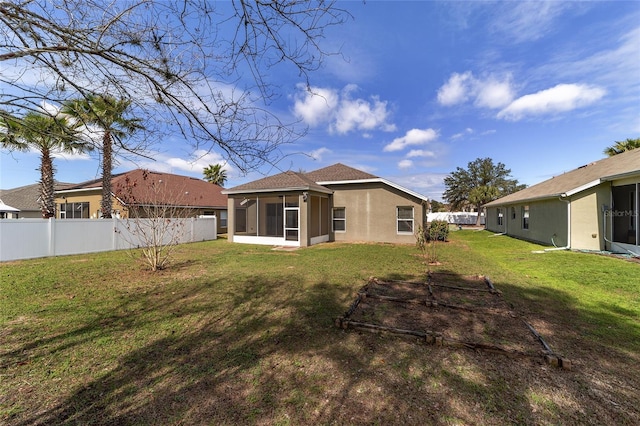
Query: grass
{"points": [[241, 334]]}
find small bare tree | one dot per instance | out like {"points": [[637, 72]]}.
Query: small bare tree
{"points": [[156, 219]]}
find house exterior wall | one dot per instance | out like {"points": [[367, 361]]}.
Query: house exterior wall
{"points": [[587, 218], [92, 197], [371, 212], [547, 219], [491, 219]]}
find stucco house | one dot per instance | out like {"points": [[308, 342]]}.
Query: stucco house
{"points": [[594, 207], [335, 203], [139, 188], [26, 199], [8, 212]]}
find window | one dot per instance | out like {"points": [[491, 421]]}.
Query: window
{"points": [[223, 218], [525, 217], [339, 219], [405, 220], [499, 218], [513, 213], [74, 210]]}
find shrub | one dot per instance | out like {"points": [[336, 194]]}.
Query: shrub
{"points": [[438, 230]]}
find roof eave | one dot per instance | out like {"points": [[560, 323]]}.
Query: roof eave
{"points": [[621, 176], [376, 180], [496, 203], [583, 187], [60, 191]]}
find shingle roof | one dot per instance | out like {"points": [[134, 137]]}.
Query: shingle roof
{"points": [[577, 179], [177, 189], [338, 172], [303, 181], [282, 181], [25, 197]]}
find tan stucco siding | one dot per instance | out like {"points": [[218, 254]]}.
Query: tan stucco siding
{"points": [[371, 212], [587, 218], [92, 197]]}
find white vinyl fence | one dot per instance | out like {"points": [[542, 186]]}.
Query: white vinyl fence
{"points": [[31, 238], [457, 218]]}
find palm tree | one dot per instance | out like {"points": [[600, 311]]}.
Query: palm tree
{"points": [[214, 173], [108, 114], [48, 134], [621, 146]]}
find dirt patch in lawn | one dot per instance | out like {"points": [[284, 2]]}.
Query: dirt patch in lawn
{"points": [[448, 310]]}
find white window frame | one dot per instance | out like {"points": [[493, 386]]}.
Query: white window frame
{"points": [[342, 219], [525, 217], [399, 219]]}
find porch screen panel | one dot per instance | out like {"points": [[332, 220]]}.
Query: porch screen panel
{"points": [[241, 221], [324, 223], [625, 214], [316, 215], [291, 214], [291, 224]]}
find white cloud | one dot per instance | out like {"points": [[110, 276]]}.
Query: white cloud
{"points": [[560, 98], [315, 106], [405, 164], [489, 92], [456, 90], [493, 93], [529, 20], [319, 153], [467, 131], [412, 137], [75, 156], [341, 111], [196, 163], [420, 153]]}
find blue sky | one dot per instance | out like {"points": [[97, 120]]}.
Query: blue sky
{"points": [[424, 87]]}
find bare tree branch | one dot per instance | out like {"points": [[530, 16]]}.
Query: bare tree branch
{"points": [[191, 67]]}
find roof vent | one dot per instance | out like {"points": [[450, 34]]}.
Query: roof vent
{"points": [[587, 165]]}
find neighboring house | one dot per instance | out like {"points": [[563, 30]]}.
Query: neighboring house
{"points": [[336, 203], [26, 199], [8, 212], [187, 196], [594, 207]]}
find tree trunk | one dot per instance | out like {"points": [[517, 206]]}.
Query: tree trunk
{"points": [[47, 197], [478, 220], [107, 157]]}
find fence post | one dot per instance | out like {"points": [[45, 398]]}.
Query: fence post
{"points": [[52, 237], [114, 233]]}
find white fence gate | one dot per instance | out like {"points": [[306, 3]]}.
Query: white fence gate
{"points": [[31, 238]]}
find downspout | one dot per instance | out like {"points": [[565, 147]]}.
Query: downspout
{"points": [[568, 246]]}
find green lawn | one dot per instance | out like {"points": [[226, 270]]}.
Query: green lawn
{"points": [[241, 334]]}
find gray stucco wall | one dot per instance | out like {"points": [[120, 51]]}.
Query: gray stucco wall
{"points": [[547, 219]]}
